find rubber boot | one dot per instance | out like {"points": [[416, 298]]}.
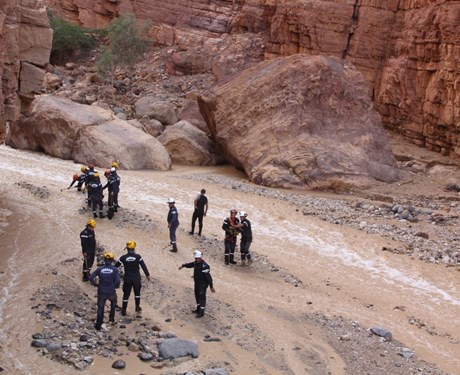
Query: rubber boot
{"points": [[200, 313], [231, 259], [197, 310], [174, 248], [138, 307], [123, 309]]}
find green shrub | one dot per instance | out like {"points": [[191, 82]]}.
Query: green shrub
{"points": [[126, 45], [68, 39]]}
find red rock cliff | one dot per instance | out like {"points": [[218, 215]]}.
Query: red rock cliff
{"points": [[25, 45], [409, 50]]}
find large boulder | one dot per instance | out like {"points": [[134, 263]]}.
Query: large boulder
{"points": [[189, 145], [155, 108], [299, 121], [69, 130]]}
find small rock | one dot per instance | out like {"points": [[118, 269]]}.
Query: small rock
{"points": [[382, 333], [119, 364], [145, 356]]}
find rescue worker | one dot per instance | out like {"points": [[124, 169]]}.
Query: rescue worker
{"points": [[79, 178], [200, 210], [231, 232], [132, 278], [89, 172], [173, 223], [96, 195], [202, 278], [88, 247], [246, 238], [109, 280], [113, 185]]}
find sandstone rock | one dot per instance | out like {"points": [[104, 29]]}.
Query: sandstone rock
{"points": [[31, 79], [51, 81], [189, 145], [152, 126], [299, 120], [154, 107], [191, 113], [68, 130], [175, 348]]}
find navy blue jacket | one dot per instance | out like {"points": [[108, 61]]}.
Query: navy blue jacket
{"points": [[113, 182], [88, 240], [131, 262], [246, 231], [109, 278], [173, 216], [201, 272]]}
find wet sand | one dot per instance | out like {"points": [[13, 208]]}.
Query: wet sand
{"points": [[259, 313]]}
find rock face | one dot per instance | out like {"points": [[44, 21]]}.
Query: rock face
{"points": [[300, 121], [86, 134], [409, 51], [189, 145], [25, 45]]}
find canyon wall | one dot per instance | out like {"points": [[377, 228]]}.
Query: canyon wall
{"points": [[25, 45], [408, 50]]}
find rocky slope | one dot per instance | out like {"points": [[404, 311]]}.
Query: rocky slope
{"points": [[408, 50]]}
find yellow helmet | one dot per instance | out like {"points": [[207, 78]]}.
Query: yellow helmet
{"points": [[96, 175], [114, 164], [83, 168], [131, 245], [108, 255], [91, 223]]}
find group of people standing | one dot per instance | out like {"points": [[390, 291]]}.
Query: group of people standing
{"points": [[108, 275], [89, 180]]}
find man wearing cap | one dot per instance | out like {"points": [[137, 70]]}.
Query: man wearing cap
{"points": [[203, 279], [246, 238], [132, 278], [88, 247], [173, 223], [109, 280], [231, 231], [113, 184]]}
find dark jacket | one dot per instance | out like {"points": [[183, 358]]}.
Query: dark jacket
{"points": [[230, 231], [109, 279], [131, 262], [246, 231], [81, 179], [95, 189], [201, 272], [113, 182], [173, 216], [88, 240]]}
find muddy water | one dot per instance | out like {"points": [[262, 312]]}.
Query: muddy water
{"points": [[342, 271]]}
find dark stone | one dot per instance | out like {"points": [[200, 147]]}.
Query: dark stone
{"points": [[119, 364], [39, 343]]}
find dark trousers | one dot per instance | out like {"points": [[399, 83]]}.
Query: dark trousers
{"points": [[132, 285], [172, 233], [229, 250], [97, 202], [244, 249], [200, 295], [101, 300], [88, 263], [113, 199], [199, 216]]}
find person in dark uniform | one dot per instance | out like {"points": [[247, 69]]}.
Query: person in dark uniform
{"points": [[173, 223], [109, 280], [132, 278], [96, 195], [79, 179], [88, 247], [246, 238], [113, 185], [202, 278], [89, 172], [231, 232], [201, 208]]}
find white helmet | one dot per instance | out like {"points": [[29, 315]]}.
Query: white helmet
{"points": [[197, 254], [171, 200], [242, 214], [113, 169]]}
